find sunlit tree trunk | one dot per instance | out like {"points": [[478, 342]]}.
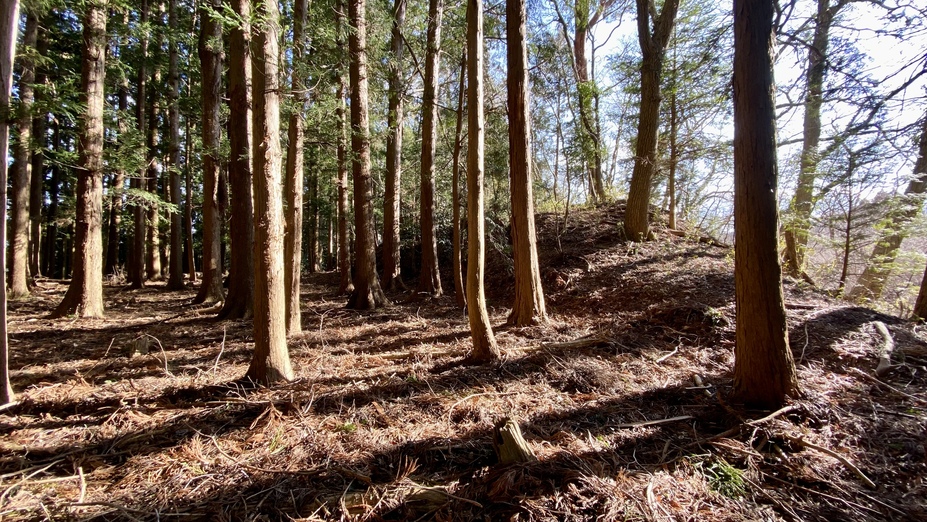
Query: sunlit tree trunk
{"points": [[239, 302], [211, 64], [271, 360], [653, 47], [117, 190], [529, 305], [367, 293], [764, 372], [484, 342], [459, 294], [429, 280], [293, 187], [175, 266], [21, 171], [9, 24], [392, 278], [188, 201], [84, 297]]}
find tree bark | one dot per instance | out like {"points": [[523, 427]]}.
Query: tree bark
{"points": [[367, 293], [188, 201], [392, 273], [175, 267], [153, 239], [36, 196], [117, 190], [346, 284], [293, 188], [800, 208], [21, 171], [84, 297], [459, 295], [653, 48], [872, 281], [529, 305], [240, 300], [429, 280], [9, 24], [136, 269], [211, 65], [484, 342], [764, 372], [271, 360], [590, 140]]}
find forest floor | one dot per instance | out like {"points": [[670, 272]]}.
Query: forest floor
{"points": [[623, 396]]}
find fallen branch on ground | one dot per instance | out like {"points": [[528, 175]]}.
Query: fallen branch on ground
{"points": [[843, 460]]}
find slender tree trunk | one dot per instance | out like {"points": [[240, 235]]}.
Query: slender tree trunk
{"points": [[312, 220], [188, 201], [346, 285], [429, 281], [21, 171], [39, 131], [879, 267], [529, 305], [152, 241], [240, 300], [293, 188], [136, 270], [459, 294], [117, 190], [802, 204], [847, 248], [50, 265], [653, 47], [585, 87], [9, 24], [271, 361], [211, 65], [674, 158], [764, 372], [84, 297], [392, 279], [920, 305], [175, 265], [484, 342], [367, 293]]}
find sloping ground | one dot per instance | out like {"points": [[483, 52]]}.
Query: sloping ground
{"points": [[623, 397]]}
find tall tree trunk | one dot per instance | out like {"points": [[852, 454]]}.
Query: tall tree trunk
{"points": [[50, 259], [21, 171], [764, 372], [367, 293], [36, 196], [674, 157], [585, 87], [211, 65], [653, 48], [152, 241], [872, 281], [459, 295], [484, 342], [392, 277], [136, 270], [346, 284], [9, 24], [312, 220], [117, 190], [430, 277], [271, 360], [293, 188], [188, 204], [799, 214], [529, 305], [920, 305], [84, 297], [240, 300], [175, 266]]}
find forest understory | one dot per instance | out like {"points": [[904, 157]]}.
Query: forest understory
{"points": [[623, 397]]}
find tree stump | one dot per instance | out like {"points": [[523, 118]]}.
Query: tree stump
{"points": [[508, 443]]}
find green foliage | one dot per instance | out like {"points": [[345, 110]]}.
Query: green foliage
{"points": [[723, 477]]}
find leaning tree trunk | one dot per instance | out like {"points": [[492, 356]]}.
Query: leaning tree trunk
{"points": [[240, 300], [84, 297], [21, 175], [367, 293], [9, 22], [271, 360], [392, 278], [459, 295], [529, 295], [872, 281], [211, 65], [764, 372], [429, 281], [175, 266], [484, 342], [653, 47], [293, 187]]}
